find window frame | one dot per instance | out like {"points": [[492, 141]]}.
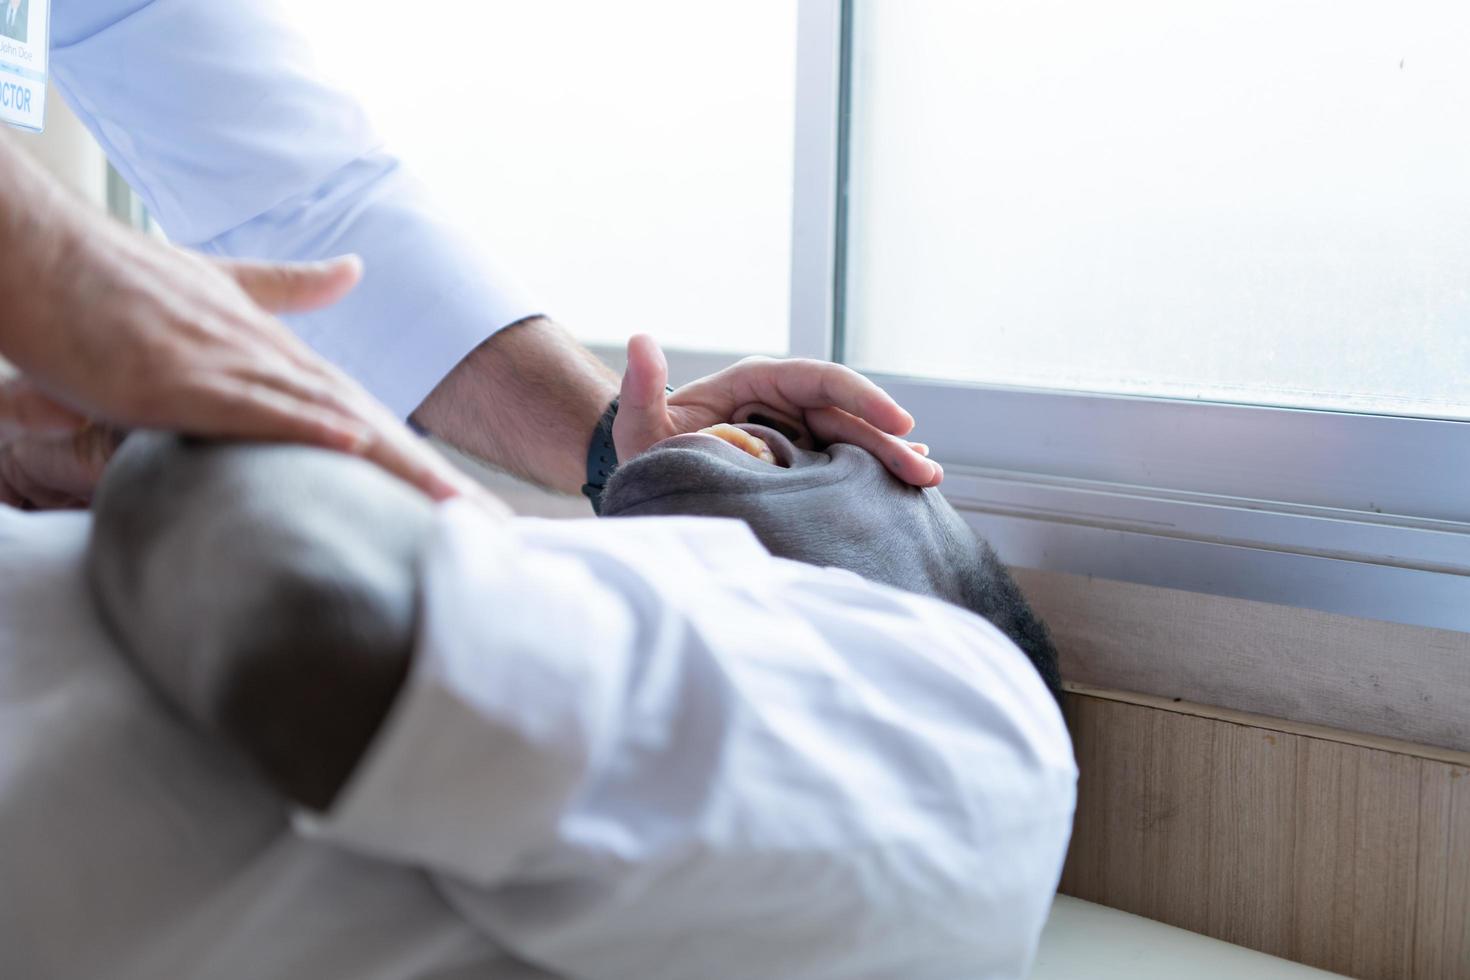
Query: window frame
{"points": [[1366, 515]]}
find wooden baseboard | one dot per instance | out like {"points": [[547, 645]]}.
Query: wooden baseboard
{"points": [[1339, 851], [1400, 682]]}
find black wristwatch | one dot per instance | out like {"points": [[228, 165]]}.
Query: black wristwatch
{"points": [[602, 456]]}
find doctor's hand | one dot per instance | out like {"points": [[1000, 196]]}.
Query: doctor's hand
{"points": [[46, 471], [137, 334], [835, 403]]}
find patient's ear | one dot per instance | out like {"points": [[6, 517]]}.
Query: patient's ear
{"points": [[793, 429]]}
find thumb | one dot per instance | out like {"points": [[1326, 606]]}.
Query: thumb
{"points": [[643, 407], [24, 408], [295, 287]]}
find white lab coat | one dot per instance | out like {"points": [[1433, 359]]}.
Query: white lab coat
{"points": [[211, 111]]}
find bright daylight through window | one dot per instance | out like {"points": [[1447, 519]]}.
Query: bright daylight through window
{"points": [[1261, 202], [632, 162]]}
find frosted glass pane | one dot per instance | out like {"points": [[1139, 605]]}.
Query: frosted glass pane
{"points": [[1262, 201], [631, 161]]}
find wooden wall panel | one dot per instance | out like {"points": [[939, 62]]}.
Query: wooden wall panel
{"points": [[1442, 929], [1361, 675], [1300, 843]]}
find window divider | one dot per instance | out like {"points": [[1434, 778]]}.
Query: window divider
{"points": [[816, 178]]}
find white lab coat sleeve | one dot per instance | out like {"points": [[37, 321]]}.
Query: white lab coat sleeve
{"points": [[214, 114], [647, 749]]}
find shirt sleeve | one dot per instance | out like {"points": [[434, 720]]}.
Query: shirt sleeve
{"points": [[647, 749], [214, 114]]}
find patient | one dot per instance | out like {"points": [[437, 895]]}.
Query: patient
{"points": [[303, 650], [839, 508], [695, 755]]}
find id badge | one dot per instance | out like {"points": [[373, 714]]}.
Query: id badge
{"points": [[25, 48]]}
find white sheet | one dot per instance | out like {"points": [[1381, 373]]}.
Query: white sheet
{"points": [[132, 850]]}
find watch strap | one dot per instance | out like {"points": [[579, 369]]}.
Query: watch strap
{"points": [[602, 457]]}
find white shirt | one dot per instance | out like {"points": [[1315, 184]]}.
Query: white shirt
{"points": [[658, 752], [133, 849], [626, 749], [214, 115]]}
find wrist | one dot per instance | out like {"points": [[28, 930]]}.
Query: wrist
{"points": [[602, 457], [525, 401]]}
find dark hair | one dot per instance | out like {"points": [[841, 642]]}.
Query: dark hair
{"points": [[991, 592]]}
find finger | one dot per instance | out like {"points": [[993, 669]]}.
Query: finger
{"points": [[295, 287], [234, 408], [414, 461], [91, 450], [901, 459], [60, 471], [810, 384], [643, 405], [12, 479], [263, 412], [24, 408], [312, 381]]}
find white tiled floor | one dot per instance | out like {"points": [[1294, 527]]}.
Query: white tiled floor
{"points": [[1083, 941]]}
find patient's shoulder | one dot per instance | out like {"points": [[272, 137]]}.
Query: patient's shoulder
{"points": [[269, 592]]}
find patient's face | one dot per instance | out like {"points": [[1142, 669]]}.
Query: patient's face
{"points": [[836, 507]]}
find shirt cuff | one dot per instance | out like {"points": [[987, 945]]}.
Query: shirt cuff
{"points": [[429, 295]]}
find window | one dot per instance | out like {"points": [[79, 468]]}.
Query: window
{"points": [[1172, 361], [633, 158], [1180, 294], [1256, 201]]}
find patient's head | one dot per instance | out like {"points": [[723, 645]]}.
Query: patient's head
{"points": [[836, 507]]}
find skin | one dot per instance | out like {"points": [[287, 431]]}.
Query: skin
{"points": [[300, 569], [55, 472], [110, 325]]}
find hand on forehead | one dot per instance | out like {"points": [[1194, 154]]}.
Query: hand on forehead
{"points": [[833, 402], [751, 417]]}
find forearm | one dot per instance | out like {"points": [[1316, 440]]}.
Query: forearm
{"points": [[39, 227], [525, 400]]}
